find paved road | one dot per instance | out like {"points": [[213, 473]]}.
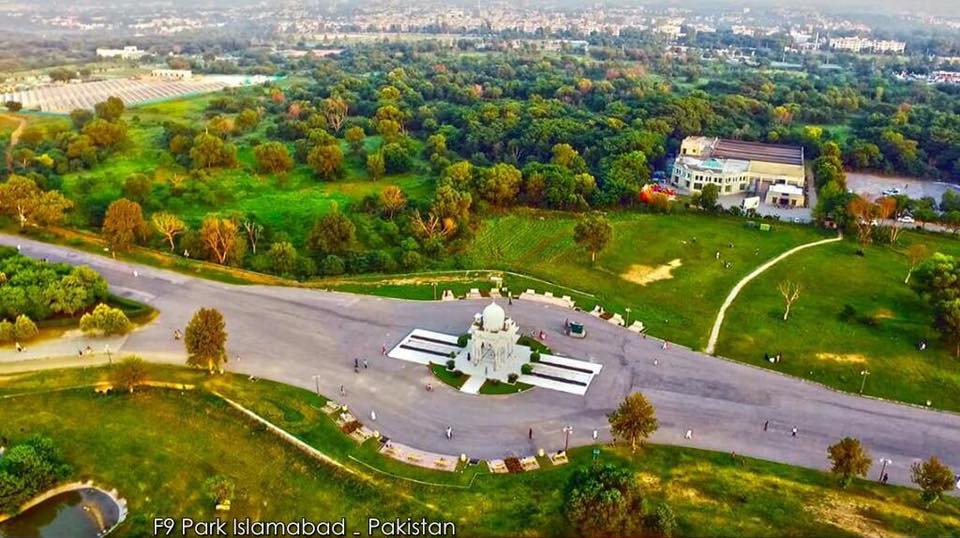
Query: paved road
{"points": [[290, 335]]}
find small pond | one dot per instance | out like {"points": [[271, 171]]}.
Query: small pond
{"points": [[81, 513]]}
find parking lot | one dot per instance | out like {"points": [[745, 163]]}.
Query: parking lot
{"points": [[872, 186]]}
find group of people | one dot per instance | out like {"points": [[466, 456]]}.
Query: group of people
{"points": [[772, 359]]}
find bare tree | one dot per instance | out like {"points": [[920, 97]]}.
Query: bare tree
{"points": [[916, 254], [254, 231], [790, 292]]}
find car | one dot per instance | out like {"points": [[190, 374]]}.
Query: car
{"points": [[891, 192], [907, 219]]}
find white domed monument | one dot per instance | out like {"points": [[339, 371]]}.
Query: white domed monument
{"points": [[490, 351], [493, 342]]}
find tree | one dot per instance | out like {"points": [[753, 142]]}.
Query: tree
{"points": [[20, 197], [273, 158], [849, 459], [916, 253], [634, 420], [13, 106], [109, 110], [933, 478], [376, 166], [24, 328], [593, 233], [137, 187], [168, 225], [332, 233], [335, 110], [604, 500], [396, 158], [790, 292], [709, 196], [105, 320], [863, 212], [283, 257], [947, 322], [105, 134], [392, 200], [253, 231], [209, 151], [326, 160], [130, 372], [123, 224], [355, 137], [219, 236], [206, 339], [500, 184], [247, 119]]}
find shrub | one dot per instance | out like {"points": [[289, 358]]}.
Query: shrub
{"points": [[332, 265], [463, 339], [105, 320], [6, 331], [24, 328], [451, 364], [663, 521], [526, 369], [534, 356], [512, 378], [848, 313], [220, 488]]}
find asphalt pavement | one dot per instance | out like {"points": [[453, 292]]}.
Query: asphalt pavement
{"points": [[293, 334]]}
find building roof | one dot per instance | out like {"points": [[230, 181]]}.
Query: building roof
{"points": [[755, 151], [786, 189]]}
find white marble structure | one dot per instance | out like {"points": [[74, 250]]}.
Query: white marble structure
{"points": [[492, 349]]}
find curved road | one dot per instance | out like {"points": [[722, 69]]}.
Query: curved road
{"points": [[290, 335]]}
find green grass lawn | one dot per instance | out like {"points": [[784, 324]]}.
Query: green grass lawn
{"points": [[681, 305], [158, 446], [818, 344], [492, 387], [454, 378]]}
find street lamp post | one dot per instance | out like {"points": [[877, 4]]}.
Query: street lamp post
{"points": [[109, 356], [627, 324], [863, 382], [316, 379], [883, 468], [434, 291], [567, 430]]}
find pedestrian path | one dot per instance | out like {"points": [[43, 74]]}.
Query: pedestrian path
{"points": [[473, 384]]}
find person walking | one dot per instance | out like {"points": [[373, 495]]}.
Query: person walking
{"points": [[688, 435], [364, 364], [530, 434], [766, 423], [343, 391], [373, 415], [596, 434], [449, 432], [383, 349], [793, 433]]}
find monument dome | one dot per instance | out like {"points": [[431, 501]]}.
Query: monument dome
{"points": [[493, 317]]}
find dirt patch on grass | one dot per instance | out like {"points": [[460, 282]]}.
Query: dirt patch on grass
{"points": [[852, 358], [847, 514], [884, 313], [645, 274]]}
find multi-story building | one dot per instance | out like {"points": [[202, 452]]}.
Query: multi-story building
{"points": [[861, 44], [130, 52], [736, 167]]}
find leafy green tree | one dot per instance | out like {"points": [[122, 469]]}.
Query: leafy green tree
{"points": [[109, 110], [105, 320], [7, 332], [273, 158], [376, 167], [332, 233], [603, 500], [209, 151], [593, 233], [933, 478], [168, 225], [13, 106], [623, 177], [848, 460], [332, 265], [708, 196], [947, 322], [137, 187], [500, 184], [129, 372], [24, 328], [247, 119], [283, 257], [106, 134], [80, 117], [21, 198], [206, 339], [396, 158], [326, 161], [355, 137], [79, 289], [124, 225], [27, 469], [634, 420]]}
